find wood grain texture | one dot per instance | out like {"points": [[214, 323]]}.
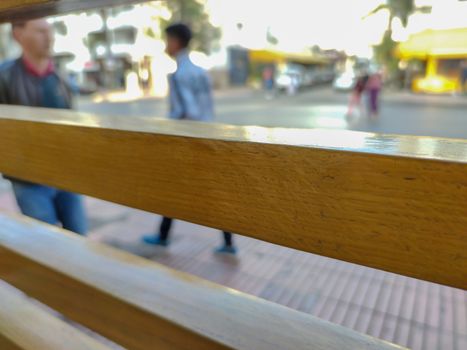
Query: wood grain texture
{"points": [[143, 305], [396, 203], [26, 326], [14, 4], [11, 10], [7, 344]]}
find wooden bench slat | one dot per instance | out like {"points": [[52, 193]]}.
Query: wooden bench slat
{"points": [[11, 10], [7, 344], [24, 325], [15, 4], [142, 305], [396, 203]]}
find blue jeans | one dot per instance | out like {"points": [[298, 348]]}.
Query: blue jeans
{"points": [[51, 205]]}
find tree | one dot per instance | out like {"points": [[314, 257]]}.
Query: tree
{"points": [[193, 13], [270, 38], [401, 9]]}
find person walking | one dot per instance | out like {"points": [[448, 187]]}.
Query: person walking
{"points": [[190, 99], [31, 80], [373, 87], [268, 82], [463, 78], [356, 95]]}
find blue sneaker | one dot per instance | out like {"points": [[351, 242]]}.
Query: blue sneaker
{"points": [[226, 249], [155, 240]]}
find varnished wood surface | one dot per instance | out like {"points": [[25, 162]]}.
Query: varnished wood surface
{"points": [[14, 4], [137, 303], [7, 344], [433, 148], [397, 203], [11, 10], [25, 326]]}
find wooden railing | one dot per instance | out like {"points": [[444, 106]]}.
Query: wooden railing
{"points": [[395, 203], [143, 305], [11, 10], [391, 202], [25, 325]]}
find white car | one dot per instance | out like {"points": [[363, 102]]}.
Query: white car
{"points": [[345, 81], [290, 81]]}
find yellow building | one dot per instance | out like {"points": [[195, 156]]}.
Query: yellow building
{"points": [[314, 67], [278, 57], [445, 54]]}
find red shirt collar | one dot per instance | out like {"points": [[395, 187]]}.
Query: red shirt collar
{"points": [[31, 69]]}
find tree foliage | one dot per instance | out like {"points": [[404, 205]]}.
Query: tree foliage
{"points": [[193, 13], [402, 9], [384, 52]]}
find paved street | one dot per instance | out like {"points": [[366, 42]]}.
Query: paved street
{"points": [[402, 113]]}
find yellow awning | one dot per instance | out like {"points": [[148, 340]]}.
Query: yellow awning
{"points": [[271, 56], [450, 43]]}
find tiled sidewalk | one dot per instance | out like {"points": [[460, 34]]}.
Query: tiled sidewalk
{"points": [[402, 310]]}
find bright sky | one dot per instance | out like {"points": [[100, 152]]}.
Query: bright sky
{"points": [[301, 23], [338, 24]]}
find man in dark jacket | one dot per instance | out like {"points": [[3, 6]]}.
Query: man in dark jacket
{"points": [[31, 80]]}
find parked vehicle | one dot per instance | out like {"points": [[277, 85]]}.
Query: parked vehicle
{"points": [[291, 78], [345, 81]]}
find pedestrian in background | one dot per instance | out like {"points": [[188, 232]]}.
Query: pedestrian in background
{"points": [[373, 87], [464, 76], [356, 95], [190, 99], [31, 80], [268, 81]]}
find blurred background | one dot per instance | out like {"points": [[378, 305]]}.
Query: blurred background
{"points": [[313, 53]]}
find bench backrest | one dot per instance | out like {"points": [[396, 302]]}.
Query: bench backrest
{"points": [[395, 203], [26, 325], [391, 206], [391, 202], [142, 305], [11, 10]]}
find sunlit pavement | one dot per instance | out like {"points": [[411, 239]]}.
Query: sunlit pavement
{"points": [[401, 113]]}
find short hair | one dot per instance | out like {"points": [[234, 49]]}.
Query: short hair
{"points": [[181, 32]]}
